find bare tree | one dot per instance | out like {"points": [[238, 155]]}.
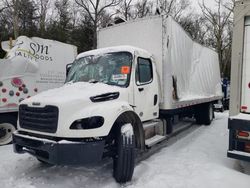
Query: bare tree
{"points": [[219, 24], [142, 9], [2, 9], [21, 15], [175, 8], [95, 9], [194, 25], [13, 6], [42, 13], [125, 9]]}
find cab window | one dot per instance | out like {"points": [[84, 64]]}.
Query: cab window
{"points": [[144, 72]]}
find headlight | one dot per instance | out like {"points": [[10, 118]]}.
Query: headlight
{"points": [[88, 123]]}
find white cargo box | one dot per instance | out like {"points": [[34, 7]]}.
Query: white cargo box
{"points": [[245, 101], [194, 67]]}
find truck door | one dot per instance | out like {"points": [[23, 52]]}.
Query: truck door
{"points": [[245, 96], [146, 94]]}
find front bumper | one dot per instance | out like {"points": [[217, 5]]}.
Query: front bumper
{"points": [[59, 153]]}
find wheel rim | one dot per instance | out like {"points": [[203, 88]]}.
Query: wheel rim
{"points": [[6, 130]]}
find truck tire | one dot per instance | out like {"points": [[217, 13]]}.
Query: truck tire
{"points": [[124, 159], [209, 114], [204, 114], [169, 125], [8, 124]]}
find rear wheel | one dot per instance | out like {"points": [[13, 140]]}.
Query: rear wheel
{"points": [[204, 114], [169, 125], [124, 159]]}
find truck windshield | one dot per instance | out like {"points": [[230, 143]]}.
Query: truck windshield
{"points": [[110, 68]]}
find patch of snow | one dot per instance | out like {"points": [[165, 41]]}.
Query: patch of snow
{"points": [[67, 142], [127, 130], [241, 116], [123, 48], [34, 138]]}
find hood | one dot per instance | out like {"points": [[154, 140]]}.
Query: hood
{"points": [[74, 93]]}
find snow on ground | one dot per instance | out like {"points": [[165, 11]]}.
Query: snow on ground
{"points": [[197, 160]]}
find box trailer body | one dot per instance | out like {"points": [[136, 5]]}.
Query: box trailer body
{"points": [[32, 65], [193, 67], [122, 99], [239, 118]]}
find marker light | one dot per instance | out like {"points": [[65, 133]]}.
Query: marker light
{"points": [[243, 107], [17, 94], [243, 134]]}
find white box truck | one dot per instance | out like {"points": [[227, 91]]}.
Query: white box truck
{"points": [[32, 65], [120, 100], [239, 112]]}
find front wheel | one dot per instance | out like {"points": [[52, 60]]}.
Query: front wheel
{"points": [[6, 130], [124, 159]]}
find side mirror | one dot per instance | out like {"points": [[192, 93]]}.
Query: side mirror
{"points": [[68, 67]]}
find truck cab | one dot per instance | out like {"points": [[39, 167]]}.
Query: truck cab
{"points": [[107, 91]]}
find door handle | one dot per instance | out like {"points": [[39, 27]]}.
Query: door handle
{"points": [[155, 99], [140, 89]]}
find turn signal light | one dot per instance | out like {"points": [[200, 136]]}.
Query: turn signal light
{"points": [[243, 134], [4, 100]]}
